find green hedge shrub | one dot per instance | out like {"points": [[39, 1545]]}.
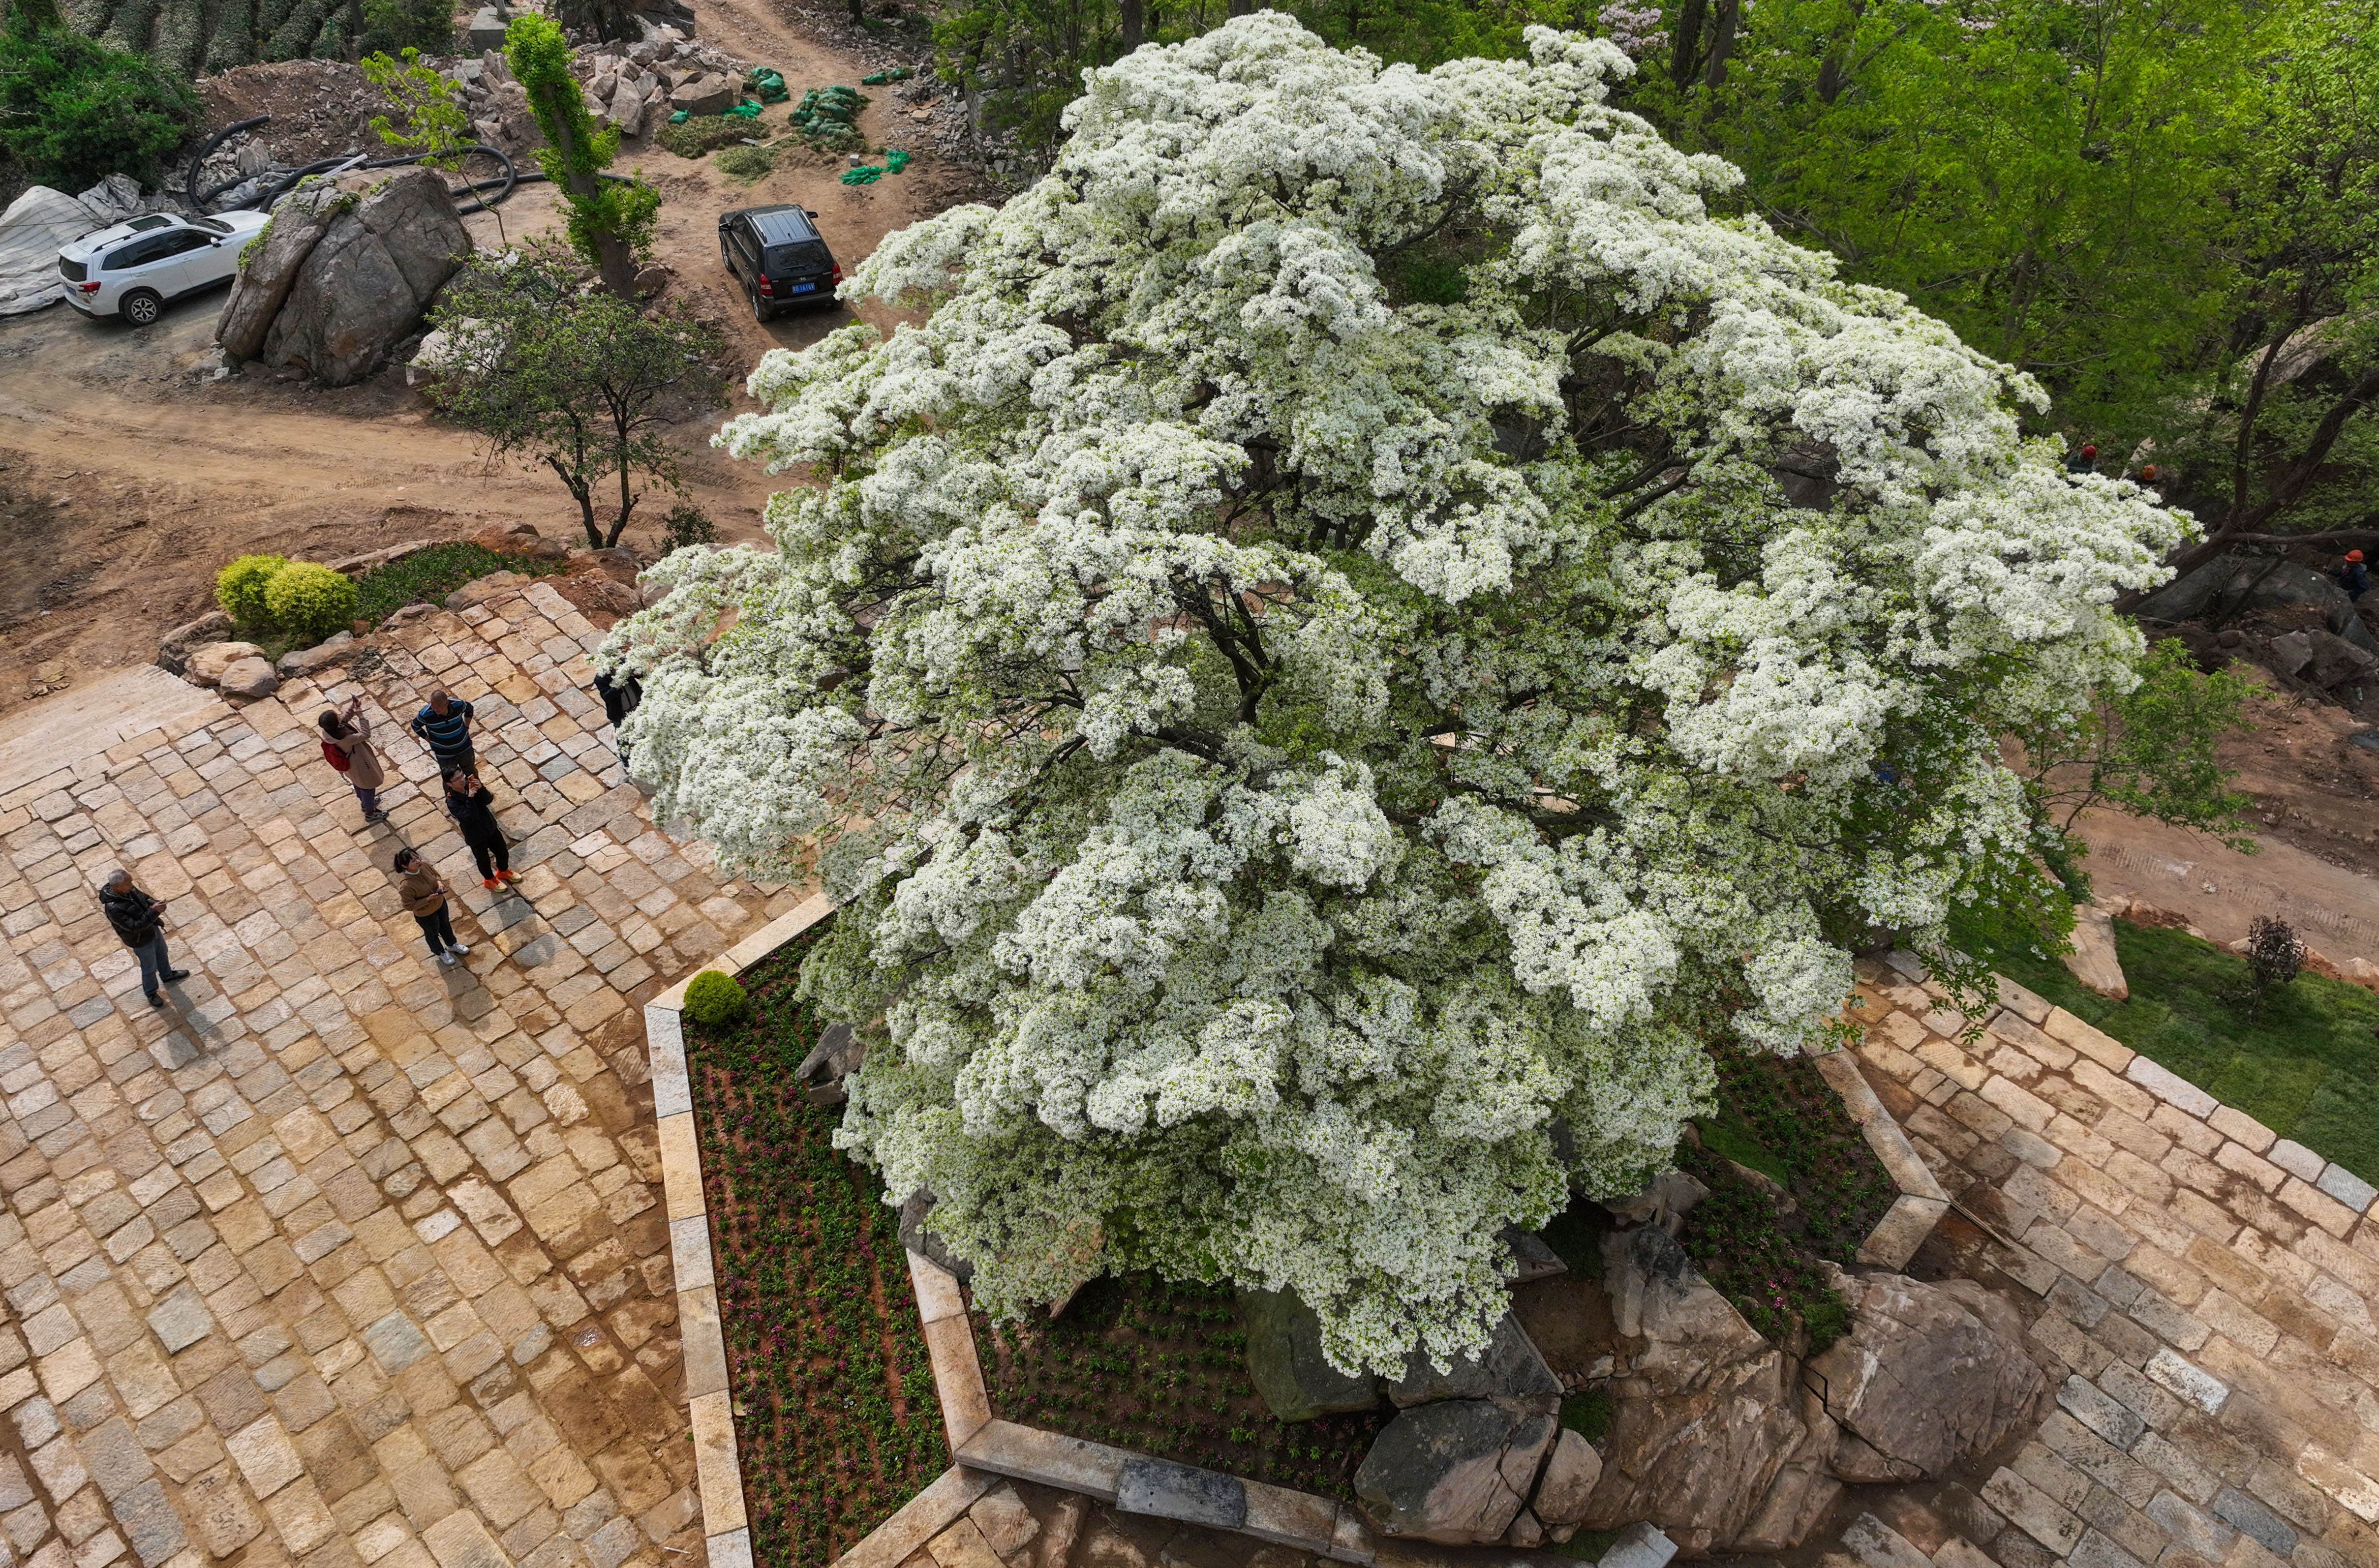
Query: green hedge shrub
{"points": [[239, 587], [712, 999], [310, 601]]}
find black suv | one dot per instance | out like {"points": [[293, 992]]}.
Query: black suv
{"points": [[779, 255]]}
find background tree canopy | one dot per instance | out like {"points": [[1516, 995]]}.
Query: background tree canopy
{"points": [[2166, 211]]}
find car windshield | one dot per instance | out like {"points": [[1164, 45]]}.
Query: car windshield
{"points": [[211, 225], [799, 257], [151, 221]]}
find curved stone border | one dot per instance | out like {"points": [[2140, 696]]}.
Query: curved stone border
{"points": [[717, 1468]]}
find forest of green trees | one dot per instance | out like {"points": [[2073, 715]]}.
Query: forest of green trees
{"points": [[2163, 210]]}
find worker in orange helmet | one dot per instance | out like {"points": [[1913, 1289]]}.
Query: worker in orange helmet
{"points": [[2352, 575]]}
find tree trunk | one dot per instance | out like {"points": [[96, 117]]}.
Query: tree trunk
{"points": [[1685, 48], [857, 11], [1721, 41], [1132, 16]]}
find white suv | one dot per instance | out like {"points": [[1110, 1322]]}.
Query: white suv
{"points": [[134, 268]]}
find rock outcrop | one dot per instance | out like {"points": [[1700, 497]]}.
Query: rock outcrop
{"points": [[2231, 585], [1454, 1472], [1285, 1363], [204, 664], [345, 273], [1510, 1368], [1928, 1377]]}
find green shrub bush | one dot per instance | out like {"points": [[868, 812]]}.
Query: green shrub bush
{"points": [[713, 998], [698, 134], [239, 587], [74, 111], [310, 601]]}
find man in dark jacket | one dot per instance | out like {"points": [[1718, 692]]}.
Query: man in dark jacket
{"points": [[620, 693], [140, 920], [471, 805], [444, 726]]}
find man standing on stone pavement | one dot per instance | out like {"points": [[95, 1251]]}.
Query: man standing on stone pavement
{"points": [[444, 726], [140, 919]]}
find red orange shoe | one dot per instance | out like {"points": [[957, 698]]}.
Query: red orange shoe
{"points": [[508, 876], [489, 883]]}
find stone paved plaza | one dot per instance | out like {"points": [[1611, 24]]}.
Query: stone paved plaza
{"points": [[344, 1257], [2203, 1293]]}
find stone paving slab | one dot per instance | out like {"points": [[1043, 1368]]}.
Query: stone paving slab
{"points": [[346, 1259], [2206, 1294]]}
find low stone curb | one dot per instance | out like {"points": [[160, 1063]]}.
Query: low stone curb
{"points": [[1910, 1219], [718, 1467]]}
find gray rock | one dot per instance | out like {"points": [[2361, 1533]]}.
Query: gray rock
{"points": [[174, 649], [1928, 1377], [346, 273], [1454, 1472], [2094, 959], [248, 678], [708, 94], [1285, 1363], [486, 30], [329, 651], [1639, 1545], [1166, 1491], [923, 1242], [2230, 586], [837, 1055], [1510, 1368], [1569, 1481], [1531, 1259], [1665, 1202]]}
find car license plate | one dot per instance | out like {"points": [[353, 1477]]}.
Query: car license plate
{"points": [[801, 288]]}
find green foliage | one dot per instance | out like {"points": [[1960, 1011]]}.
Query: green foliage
{"points": [[428, 576], [745, 163], [579, 381], [429, 104], [1772, 1280], [713, 998], [687, 525], [1588, 1414], [73, 110], [2150, 752], [698, 134], [309, 601], [2305, 1064], [833, 1392], [1792, 1119], [826, 118], [610, 222], [239, 587], [1576, 1236]]}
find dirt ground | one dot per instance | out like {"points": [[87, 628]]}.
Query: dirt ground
{"points": [[127, 479]]}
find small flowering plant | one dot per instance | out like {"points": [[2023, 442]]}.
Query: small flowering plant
{"points": [[1361, 625]]}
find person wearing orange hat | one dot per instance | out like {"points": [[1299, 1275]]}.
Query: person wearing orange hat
{"points": [[2083, 462], [2352, 575]]}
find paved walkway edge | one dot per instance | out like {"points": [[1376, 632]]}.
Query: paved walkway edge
{"points": [[719, 1471]]}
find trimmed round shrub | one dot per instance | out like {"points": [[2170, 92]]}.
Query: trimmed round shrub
{"points": [[310, 601], [714, 998], [239, 587]]}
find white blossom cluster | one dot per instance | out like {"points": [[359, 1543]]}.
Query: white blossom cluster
{"points": [[1362, 629]]}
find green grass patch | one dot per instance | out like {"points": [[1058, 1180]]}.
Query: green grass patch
{"points": [[1725, 1135], [428, 576], [698, 134], [1588, 1414], [826, 1368], [1587, 1546], [745, 163], [2307, 1066]]}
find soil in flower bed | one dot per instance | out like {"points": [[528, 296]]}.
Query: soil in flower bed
{"points": [[1161, 1367], [1759, 1242], [825, 1357]]}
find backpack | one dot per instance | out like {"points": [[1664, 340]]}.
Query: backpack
{"points": [[335, 757]]}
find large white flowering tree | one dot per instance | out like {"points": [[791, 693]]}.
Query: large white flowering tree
{"points": [[1363, 628]]}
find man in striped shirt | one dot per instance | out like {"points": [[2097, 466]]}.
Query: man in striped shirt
{"points": [[444, 725]]}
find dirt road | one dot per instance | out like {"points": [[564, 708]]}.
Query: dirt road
{"points": [[126, 478]]}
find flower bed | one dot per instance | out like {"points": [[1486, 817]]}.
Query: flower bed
{"points": [[1777, 1117], [1160, 1368], [832, 1391], [426, 576]]}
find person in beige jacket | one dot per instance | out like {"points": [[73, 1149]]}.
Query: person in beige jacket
{"points": [[347, 745], [425, 899]]}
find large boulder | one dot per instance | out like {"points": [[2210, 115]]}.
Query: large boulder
{"points": [[345, 273], [1455, 1472], [1285, 1363], [1569, 1479], [1928, 1377], [248, 678], [1704, 1422], [204, 664], [1510, 1368], [2231, 585], [174, 649], [709, 94]]}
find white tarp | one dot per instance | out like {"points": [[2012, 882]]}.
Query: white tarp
{"points": [[112, 200], [36, 224]]}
